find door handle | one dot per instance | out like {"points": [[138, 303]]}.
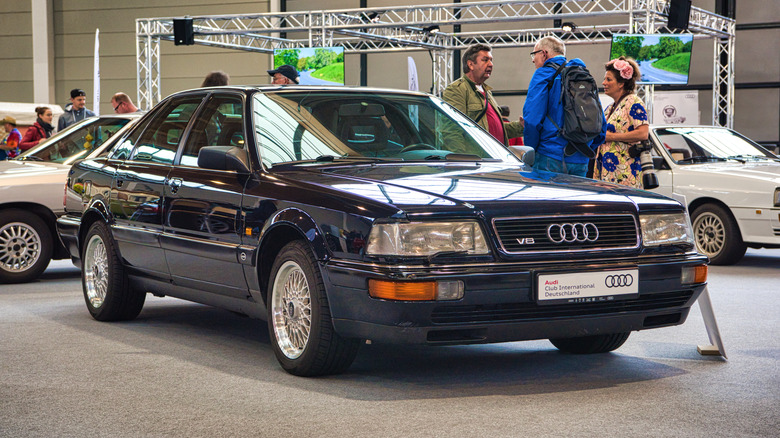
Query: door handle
{"points": [[174, 184]]}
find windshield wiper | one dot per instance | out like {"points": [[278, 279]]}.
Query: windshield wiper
{"points": [[30, 158], [455, 157], [333, 158], [700, 159], [746, 158]]}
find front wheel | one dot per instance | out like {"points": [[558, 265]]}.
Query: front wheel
{"points": [[106, 288], [717, 235], [26, 246], [591, 344], [299, 322]]}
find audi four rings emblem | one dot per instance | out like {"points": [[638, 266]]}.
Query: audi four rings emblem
{"points": [[620, 280], [573, 232]]}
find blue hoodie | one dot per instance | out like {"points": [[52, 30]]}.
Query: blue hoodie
{"points": [[540, 133]]}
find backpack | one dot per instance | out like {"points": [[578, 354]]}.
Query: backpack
{"points": [[582, 112]]}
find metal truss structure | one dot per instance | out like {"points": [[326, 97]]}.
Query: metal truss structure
{"points": [[407, 28]]}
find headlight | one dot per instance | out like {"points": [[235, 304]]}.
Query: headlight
{"points": [[777, 197], [666, 229], [426, 238]]}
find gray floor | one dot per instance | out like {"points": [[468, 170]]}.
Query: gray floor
{"points": [[183, 369]]}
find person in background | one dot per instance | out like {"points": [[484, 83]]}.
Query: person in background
{"points": [[216, 79], [617, 161], [542, 107], [9, 147], [284, 75], [505, 111], [40, 130], [122, 104], [473, 97], [78, 110]]}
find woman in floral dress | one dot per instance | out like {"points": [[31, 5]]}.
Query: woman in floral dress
{"points": [[617, 161]]}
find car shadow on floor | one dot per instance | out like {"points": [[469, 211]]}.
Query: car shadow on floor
{"points": [[230, 343]]}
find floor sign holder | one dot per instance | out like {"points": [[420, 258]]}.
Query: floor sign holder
{"points": [[716, 343]]}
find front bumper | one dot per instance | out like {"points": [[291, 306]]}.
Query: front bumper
{"points": [[68, 230], [499, 302], [760, 227]]}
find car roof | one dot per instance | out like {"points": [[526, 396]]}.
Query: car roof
{"points": [[304, 88]]}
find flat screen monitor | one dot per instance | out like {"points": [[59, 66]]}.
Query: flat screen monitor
{"points": [[315, 65], [662, 58]]}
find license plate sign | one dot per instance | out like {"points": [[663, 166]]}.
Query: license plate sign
{"points": [[587, 287]]}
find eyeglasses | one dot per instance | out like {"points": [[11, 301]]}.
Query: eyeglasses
{"points": [[535, 52], [117, 106]]}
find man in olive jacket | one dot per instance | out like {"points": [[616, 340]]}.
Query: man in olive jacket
{"points": [[467, 94]]}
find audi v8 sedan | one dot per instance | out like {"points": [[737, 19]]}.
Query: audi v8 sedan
{"points": [[345, 215], [31, 191]]}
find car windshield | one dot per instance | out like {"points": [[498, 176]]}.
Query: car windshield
{"points": [[77, 141], [698, 145], [296, 126]]}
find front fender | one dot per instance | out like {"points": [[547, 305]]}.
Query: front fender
{"points": [[303, 223]]}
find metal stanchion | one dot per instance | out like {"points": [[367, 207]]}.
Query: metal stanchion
{"points": [[716, 343]]}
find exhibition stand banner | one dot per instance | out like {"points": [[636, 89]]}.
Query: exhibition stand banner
{"points": [[676, 108]]}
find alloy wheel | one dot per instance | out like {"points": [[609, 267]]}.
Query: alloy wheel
{"points": [[291, 304], [96, 271], [710, 233], [20, 247]]}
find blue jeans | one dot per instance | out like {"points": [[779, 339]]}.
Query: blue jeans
{"points": [[543, 162]]}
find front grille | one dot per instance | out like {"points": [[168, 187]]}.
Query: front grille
{"points": [[531, 311], [528, 235]]}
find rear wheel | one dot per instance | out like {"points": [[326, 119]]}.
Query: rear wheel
{"points": [[717, 234], [26, 246], [299, 322], [591, 344], [107, 291]]}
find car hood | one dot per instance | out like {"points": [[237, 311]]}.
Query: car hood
{"points": [[33, 182], [22, 169], [759, 173], [495, 187]]}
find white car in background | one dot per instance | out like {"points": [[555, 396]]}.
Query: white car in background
{"points": [[31, 195], [730, 183]]}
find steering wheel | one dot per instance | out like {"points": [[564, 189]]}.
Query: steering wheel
{"points": [[417, 147]]}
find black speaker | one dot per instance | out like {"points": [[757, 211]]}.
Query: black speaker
{"points": [[679, 11], [182, 32]]}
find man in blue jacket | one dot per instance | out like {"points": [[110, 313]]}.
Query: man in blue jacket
{"points": [[540, 133]]}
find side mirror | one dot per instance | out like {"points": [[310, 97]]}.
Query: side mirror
{"points": [[526, 154], [224, 158]]}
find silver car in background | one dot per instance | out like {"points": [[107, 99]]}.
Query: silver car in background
{"points": [[731, 185], [31, 195]]}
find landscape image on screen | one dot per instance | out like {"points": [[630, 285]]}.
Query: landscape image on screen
{"points": [[316, 65], [662, 58]]}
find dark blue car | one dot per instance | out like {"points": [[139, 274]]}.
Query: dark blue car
{"points": [[345, 215]]}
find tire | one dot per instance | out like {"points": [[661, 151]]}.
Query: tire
{"points": [[591, 344], [299, 322], [107, 291], [717, 235], [26, 246]]}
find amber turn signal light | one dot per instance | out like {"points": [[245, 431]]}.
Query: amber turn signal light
{"points": [[444, 290], [402, 290], [694, 274]]}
